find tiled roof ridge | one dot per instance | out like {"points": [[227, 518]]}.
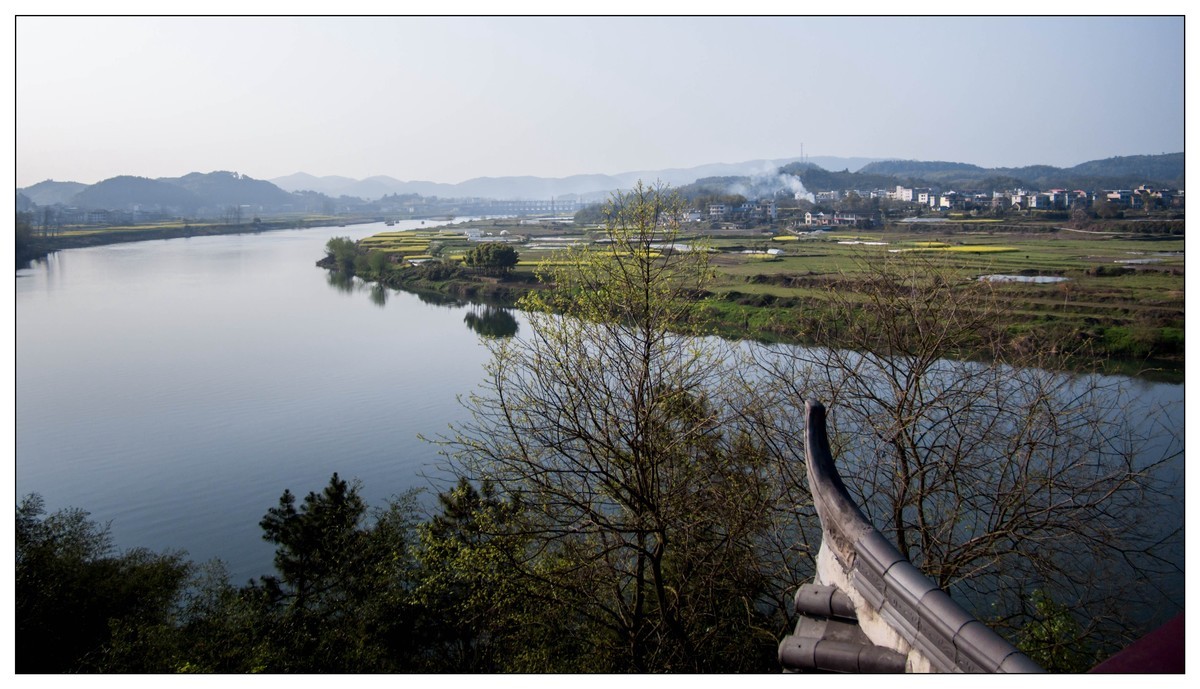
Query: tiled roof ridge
{"points": [[903, 608]]}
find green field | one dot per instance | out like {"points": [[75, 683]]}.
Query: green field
{"points": [[1122, 293]]}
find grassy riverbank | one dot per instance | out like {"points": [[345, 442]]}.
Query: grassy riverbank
{"points": [[1118, 297]]}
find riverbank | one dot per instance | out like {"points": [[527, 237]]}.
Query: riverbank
{"points": [[1150, 353], [41, 245], [453, 281]]}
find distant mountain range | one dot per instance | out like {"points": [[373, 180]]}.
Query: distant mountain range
{"points": [[1166, 170], [192, 193], [584, 187], [197, 194]]}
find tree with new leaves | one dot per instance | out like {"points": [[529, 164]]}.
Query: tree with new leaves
{"points": [[343, 251], [477, 614], [496, 257], [645, 495]]}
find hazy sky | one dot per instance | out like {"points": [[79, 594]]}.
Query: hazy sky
{"points": [[447, 99]]}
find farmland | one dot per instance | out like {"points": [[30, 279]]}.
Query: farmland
{"points": [[1121, 294]]}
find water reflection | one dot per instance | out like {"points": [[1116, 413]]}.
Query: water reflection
{"points": [[342, 282], [347, 283], [437, 299], [486, 320], [379, 295], [493, 321]]}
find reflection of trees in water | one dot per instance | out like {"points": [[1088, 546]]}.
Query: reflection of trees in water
{"points": [[341, 281], [437, 298], [379, 295], [492, 322]]}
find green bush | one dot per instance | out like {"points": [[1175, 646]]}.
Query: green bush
{"points": [[492, 256]]}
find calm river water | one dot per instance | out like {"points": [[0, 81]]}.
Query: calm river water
{"points": [[176, 388]]}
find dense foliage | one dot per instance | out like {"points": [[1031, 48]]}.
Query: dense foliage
{"points": [[77, 600], [343, 251], [351, 593], [492, 257], [23, 235]]}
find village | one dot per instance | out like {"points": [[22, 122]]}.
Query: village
{"points": [[868, 209]]}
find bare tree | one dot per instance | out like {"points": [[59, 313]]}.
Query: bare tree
{"points": [[1001, 479], [648, 496]]}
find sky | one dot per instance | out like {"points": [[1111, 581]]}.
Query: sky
{"points": [[446, 99]]}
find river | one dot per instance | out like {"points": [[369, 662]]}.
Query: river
{"points": [[175, 388]]}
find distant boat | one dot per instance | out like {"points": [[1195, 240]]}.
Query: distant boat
{"points": [[389, 223]]}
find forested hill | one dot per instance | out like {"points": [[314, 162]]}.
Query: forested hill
{"points": [[124, 191], [49, 192], [230, 188], [1168, 167], [1166, 170], [192, 192]]}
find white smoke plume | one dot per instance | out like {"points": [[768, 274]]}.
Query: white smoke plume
{"points": [[768, 182]]}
